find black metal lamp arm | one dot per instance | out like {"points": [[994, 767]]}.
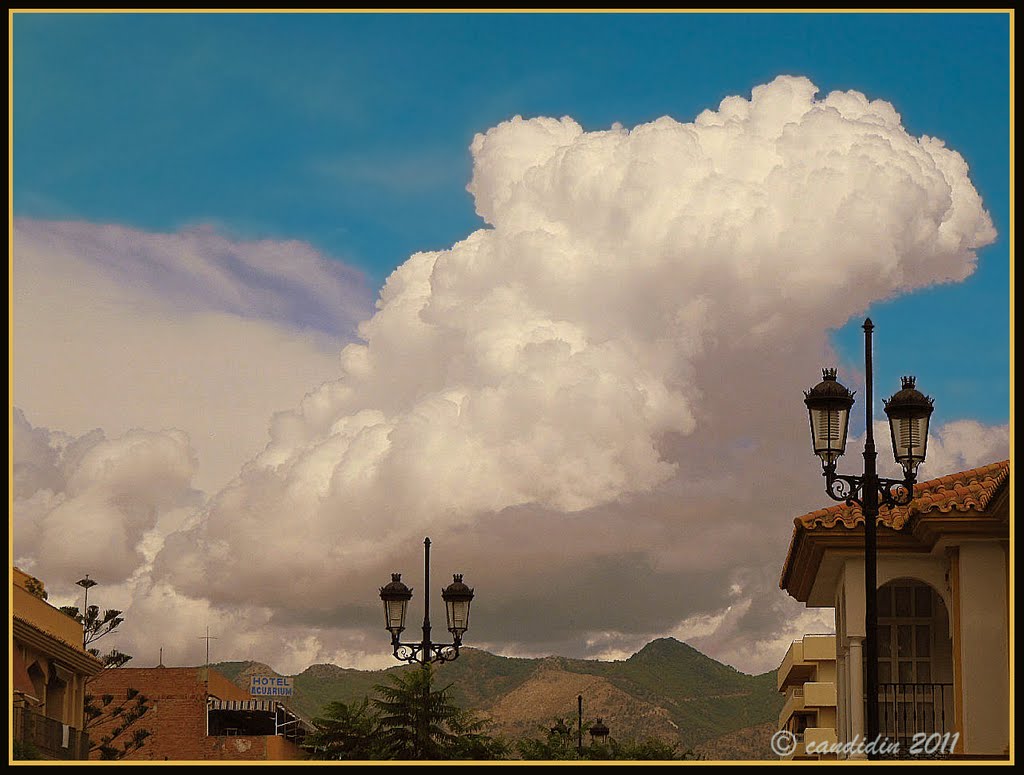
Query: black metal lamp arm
{"points": [[422, 655], [850, 489]]}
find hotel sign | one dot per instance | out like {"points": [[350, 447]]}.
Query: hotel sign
{"points": [[270, 686]]}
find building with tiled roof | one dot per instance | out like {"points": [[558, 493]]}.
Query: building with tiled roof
{"points": [[943, 615], [50, 668]]}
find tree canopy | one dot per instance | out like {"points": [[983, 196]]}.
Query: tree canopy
{"points": [[408, 719], [561, 743]]}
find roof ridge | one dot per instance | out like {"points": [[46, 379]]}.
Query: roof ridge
{"points": [[961, 491]]}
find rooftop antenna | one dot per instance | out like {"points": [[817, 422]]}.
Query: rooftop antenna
{"points": [[162, 657], [207, 638]]}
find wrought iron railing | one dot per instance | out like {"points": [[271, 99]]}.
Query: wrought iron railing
{"points": [[917, 716], [50, 738]]}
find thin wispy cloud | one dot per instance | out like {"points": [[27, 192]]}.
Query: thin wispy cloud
{"points": [[118, 328], [407, 175]]}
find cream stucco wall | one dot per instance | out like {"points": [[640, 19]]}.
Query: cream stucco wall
{"points": [[984, 648]]}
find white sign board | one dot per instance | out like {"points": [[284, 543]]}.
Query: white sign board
{"points": [[270, 686]]}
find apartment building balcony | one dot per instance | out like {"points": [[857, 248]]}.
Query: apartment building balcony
{"points": [[803, 659], [918, 716], [819, 694], [793, 705], [50, 738]]}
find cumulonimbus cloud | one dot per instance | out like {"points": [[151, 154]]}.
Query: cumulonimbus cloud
{"points": [[593, 401], [545, 360]]}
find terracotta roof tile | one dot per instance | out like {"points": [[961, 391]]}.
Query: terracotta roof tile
{"points": [[962, 491]]}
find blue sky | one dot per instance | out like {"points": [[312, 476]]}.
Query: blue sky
{"points": [[351, 131], [197, 194]]}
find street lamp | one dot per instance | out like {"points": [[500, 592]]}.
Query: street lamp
{"points": [[599, 731], [457, 598], [828, 405], [85, 583]]}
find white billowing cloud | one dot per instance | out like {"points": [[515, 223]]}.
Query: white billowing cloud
{"points": [[118, 328], [782, 199], [964, 444], [592, 406], [159, 617], [85, 503], [640, 298]]}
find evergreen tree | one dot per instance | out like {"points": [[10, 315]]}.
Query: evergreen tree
{"points": [[419, 722], [558, 744], [117, 720], [407, 719], [344, 732], [561, 743]]}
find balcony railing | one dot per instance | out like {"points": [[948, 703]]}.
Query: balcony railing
{"points": [[916, 715], [49, 737]]}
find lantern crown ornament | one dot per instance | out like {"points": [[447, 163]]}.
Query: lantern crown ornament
{"points": [[396, 589]]}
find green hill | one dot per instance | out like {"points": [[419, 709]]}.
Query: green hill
{"points": [[667, 690]]}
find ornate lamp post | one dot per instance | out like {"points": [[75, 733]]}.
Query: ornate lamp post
{"points": [[828, 404], [457, 598], [598, 732]]}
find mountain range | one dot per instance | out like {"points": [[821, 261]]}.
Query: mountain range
{"points": [[668, 690]]}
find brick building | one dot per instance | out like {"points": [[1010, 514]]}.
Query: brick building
{"points": [[198, 714]]}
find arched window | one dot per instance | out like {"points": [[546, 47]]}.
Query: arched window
{"points": [[915, 662], [906, 632]]}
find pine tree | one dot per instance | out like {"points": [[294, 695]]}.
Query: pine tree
{"points": [[345, 732], [407, 719], [117, 719]]}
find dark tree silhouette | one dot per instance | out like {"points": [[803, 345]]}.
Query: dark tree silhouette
{"points": [[560, 743], [345, 732], [115, 722], [407, 719]]}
